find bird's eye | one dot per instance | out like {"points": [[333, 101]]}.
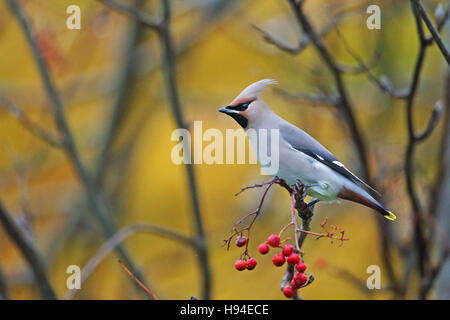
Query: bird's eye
{"points": [[242, 106]]}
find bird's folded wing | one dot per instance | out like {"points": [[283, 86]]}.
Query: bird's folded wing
{"points": [[303, 142]]}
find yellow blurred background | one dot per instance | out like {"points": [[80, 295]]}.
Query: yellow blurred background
{"points": [[216, 60]]}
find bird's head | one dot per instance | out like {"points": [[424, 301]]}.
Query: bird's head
{"points": [[247, 106]]}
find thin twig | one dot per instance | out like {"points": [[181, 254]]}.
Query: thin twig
{"points": [[30, 125], [132, 276], [317, 99], [436, 114], [238, 231], [434, 32], [302, 43], [384, 84], [137, 14], [363, 66], [29, 252]]}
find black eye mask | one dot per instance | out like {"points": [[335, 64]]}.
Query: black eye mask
{"points": [[231, 111], [240, 107]]}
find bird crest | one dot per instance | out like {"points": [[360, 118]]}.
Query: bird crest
{"points": [[253, 91]]}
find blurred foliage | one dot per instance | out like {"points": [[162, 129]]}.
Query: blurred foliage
{"points": [[143, 185]]}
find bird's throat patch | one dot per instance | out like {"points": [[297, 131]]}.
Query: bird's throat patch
{"points": [[243, 122]]}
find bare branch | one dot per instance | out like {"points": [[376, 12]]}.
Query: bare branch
{"points": [[132, 276], [29, 252], [428, 282], [363, 66], [4, 294], [313, 99], [137, 14], [384, 84], [434, 32], [436, 114], [30, 125], [121, 236], [302, 44], [305, 212], [344, 106], [98, 206], [169, 68], [123, 98], [419, 238], [344, 103]]}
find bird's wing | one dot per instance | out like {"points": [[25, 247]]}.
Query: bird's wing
{"points": [[303, 142]]}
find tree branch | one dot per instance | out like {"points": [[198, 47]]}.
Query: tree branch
{"points": [[169, 68], [136, 14], [4, 294], [434, 32], [436, 115], [428, 282], [122, 101], [305, 212], [419, 237], [121, 236], [95, 200], [29, 252], [384, 84], [32, 127], [302, 43], [346, 108]]}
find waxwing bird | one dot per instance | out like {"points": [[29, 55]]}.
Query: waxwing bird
{"points": [[301, 157]]}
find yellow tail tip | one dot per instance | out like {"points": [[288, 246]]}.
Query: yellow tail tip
{"points": [[391, 216]]}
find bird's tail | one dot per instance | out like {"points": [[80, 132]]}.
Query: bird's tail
{"points": [[353, 192]]}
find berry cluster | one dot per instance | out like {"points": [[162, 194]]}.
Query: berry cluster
{"points": [[244, 263], [290, 255]]}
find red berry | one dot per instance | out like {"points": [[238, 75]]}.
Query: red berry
{"points": [[293, 259], [300, 278], [287, 250], [278, 259], [240, 265], [263, 248], [301, 267], [251, 264], [273, 240], [241, 241], [288, 292], [295, 284]]}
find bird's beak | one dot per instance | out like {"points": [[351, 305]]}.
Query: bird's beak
{"points": [[227, 111]]}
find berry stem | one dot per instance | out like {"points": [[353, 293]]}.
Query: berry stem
{"points": [[132, 276], [255, 214], [294, 221]]}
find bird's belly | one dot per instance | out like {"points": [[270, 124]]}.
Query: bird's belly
{"points": [[295, 165]]}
